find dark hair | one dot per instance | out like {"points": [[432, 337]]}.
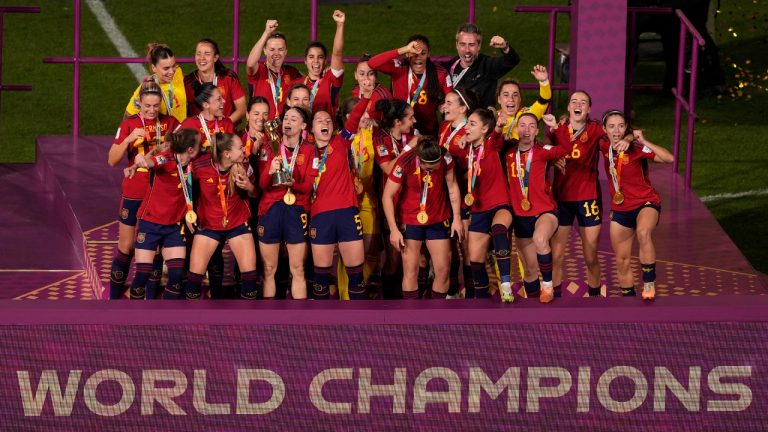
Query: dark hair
{"points": [[221, 143], [589, 98], [306, 116], [364, 58], [257, 100], [157, 52], [507, 82], [315, 44], [277, 35], [205, 94], [315, 113], [467, 98], [391, 109], [150, 87], [183, 139], [487, 117], [428, 150], [471, 29], [613, 112], [433, 84], [296, 87], [529, 114], [345, 108], [218, 67]]}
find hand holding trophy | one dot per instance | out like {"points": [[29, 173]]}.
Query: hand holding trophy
{"points": [[281, 177]]}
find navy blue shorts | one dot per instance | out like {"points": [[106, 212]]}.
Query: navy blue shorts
{"points": [[437, 231], [526, 225], [222, 236], [128, 210], [283, 223], [587, 213], [466, 212], [481, 221], [151, 235], [336, 226], [629, 218]]}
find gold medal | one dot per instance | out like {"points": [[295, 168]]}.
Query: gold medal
{"points": [[618, 198], [191, 217], [422, 217], [525, 204], [224, 222], [358, 186], [469, 199], [289, 198]]}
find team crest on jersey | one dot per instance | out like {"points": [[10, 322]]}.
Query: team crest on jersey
{"points": [[315, 163], [264, 155], [399, 172], [300, 159], [383, 150], [584, 137], [313, 233], [161, 160], [141, 237]]}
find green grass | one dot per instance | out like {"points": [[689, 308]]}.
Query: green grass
{"points": [[729, 148]]}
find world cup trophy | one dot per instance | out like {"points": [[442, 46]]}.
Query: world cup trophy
{"points": [[280, 177]]}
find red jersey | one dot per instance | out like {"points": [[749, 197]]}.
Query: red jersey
{"points": [[412, 87], [216, 125], [214, 186], [412, 179], [335, 189], [262, 82], [136, 187], [326, 92], [449, 140], [164, 203], [539, 192], [490, 189], [387, 147], [580, 180], [228, 84], [634, 182], [301, 186], [379, 93]]}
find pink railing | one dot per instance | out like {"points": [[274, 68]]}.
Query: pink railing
{"points": [[4, 10]]}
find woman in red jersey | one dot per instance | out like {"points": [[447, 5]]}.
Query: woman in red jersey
{"points": [[335, 218], [367, 87], [636, 206], [283, 207], [138, 136], [423, 177], [488, 199], [211, 70], [417, 80], [224, 181], [166, 74], [211, 118], [167, 203], [535, 208], [271, 79], [325, 85], [297, 96]]}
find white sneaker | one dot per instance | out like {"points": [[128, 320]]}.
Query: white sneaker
{"points": [[506, 293]]}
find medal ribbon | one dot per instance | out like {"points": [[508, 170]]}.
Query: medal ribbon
{"points": [[312, 93], [523, 180], [167, 99], [275, 88], [456, 130], [508, 135], [425, 188], [222, 188], [320, 169], [394, 144], [412, 98], [455, 79], [615, 171], [186, 182], [205, 127], [475, 166], [289, 167], [571, 134]]}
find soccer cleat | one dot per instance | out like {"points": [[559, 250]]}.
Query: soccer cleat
{"points": [[506, 293], [649, 291], [547, 293]]}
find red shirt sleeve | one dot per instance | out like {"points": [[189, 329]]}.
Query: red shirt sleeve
{"points": [[384, 62]]}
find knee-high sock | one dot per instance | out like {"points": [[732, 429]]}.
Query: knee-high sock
{"points": [[356, 285], [501, 246], [248, 288], [532, 288], [545, 265], [649, 272], [194, 286], [138, 286], [173, 288], [121, 264], [469, 285], [480, 277], [155, 276], [321, 286]]}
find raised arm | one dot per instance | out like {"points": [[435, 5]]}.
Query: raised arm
{"points": [[337, 55], [252, 64], [662, 155]]}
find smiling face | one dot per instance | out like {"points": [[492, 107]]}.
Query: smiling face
{"points": [[205, 57], [275, 50], [578, 107], [322, 126], [405, 124], [150, 106], [215, 104], [293, 123], [366, 77], [299, 98], [615, 127], [509, 99], [164, 69], [258, 114], [527, 129], [315, 61], [418, 61], [453, 108], [236, 152], [476, 129], [468, 47]]}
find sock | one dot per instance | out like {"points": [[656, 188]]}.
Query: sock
{"points": [[423, 280], [356, 286], [216, 274], [121, 264], [194, 286], [248, 288], [532, 288], [469, 285], [594, 292], [628, 292], [173, 288], [411, 295], [437, 296], [501, 246], [155, 276], [559, 290], [480, 277], [545, 265], [649, 272], [321, 286], [453, 281], [140, 280]]}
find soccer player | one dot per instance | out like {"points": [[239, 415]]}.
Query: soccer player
{"points": [[471, 70], [535, 209], [636, 206], [297, 96], [416, 79], [488, 199], [138, 136], [367, 87], [211, 70], [168, 202], [167, 74], [224, 182], [510, 100], [271, 79], [211, 118], [423, 176], [283, 207], [325, 86]]}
